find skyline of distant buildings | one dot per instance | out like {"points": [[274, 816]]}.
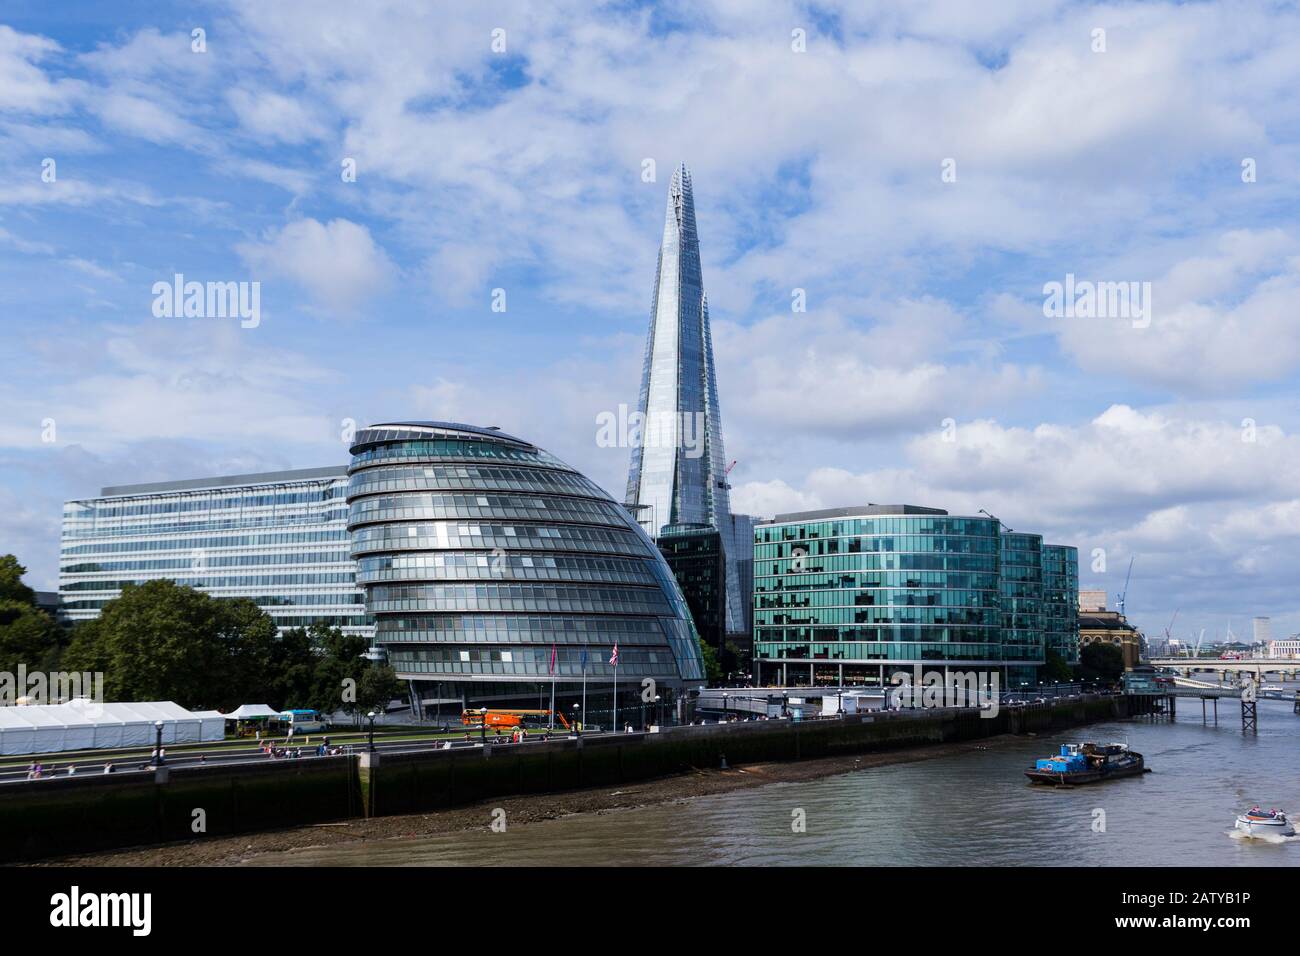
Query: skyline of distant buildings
{"points": [[281, 537]]}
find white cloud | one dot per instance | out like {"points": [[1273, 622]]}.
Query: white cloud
{"points": [[24, 86], [272, 115], [338, 263], [1219, 320]]}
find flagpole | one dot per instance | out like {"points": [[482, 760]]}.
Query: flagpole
{"points": [[552, 715], [583, 716], [616, 695]]}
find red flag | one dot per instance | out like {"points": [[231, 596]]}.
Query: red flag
{"points": [[613, 658], [552, 667]]}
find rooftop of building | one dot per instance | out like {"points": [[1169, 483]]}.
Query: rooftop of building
{"points": [[1104, 621], [372, 434], [854, 511], [225, 481]]}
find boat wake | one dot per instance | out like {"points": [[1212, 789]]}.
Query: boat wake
{"points": [[1262, 837]]}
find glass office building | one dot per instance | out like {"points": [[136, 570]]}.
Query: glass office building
{"points": [[279, 538], [677, 480], [850, 595], [1061, 600], [493, 569], [1020, 584]]}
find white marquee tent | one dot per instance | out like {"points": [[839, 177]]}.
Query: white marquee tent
{"points": [[253, 712], [83, 724]]}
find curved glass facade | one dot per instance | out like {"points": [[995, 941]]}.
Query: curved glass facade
{"points": [[492, 569], [841, 595]]}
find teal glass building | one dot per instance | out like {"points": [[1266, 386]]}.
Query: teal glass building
{"points": [[1061, 600], [847, 596], [1020, 584], [492, 569]]}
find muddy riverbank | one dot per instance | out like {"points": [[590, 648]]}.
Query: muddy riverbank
{"points": [[520, 810]]}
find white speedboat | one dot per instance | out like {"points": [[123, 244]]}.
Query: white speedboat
{"points": [[1256, 822]]}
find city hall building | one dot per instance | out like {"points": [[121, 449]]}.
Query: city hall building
{"points": [[278, 538], [851, 595], [495, 571]]}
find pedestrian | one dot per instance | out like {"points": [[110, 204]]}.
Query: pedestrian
{"points": [[109, 768], [72, 769], [31, 771], [162, 755]]}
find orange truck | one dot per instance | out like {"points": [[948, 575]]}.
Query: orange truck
{"points": [[507, 718]]}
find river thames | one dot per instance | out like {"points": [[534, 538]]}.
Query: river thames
{"points": [[972, 809]]}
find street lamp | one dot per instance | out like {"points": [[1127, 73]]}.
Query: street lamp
{"points": [[371, 717], [482, 725], [577, 719], [659, 711], [158, 753], [725, 712]]}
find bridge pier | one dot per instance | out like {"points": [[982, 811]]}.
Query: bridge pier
{"points": [[1249, 723]]}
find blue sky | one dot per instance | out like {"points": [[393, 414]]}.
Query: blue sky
{"points": [[818, 169]]}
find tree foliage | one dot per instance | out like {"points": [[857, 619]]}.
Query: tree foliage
{"points": [[1101, 661], [28, 635], [1055, 669], [164, 641]]}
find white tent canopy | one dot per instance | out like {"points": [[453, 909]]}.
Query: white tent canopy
{"points": [[251, 711], [213, 723], [83, 724]]}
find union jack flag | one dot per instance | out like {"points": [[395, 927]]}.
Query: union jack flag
{"points": [[613, 658], [551, 670]]}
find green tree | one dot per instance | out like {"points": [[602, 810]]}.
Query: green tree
{"points": [[343, 678], [28, 635], [292, 670], [163, 641], [1055, 670], [11, 582], [712, 668], [379, 684], [1101, 661]]}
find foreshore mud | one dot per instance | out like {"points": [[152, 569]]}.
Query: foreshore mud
{"points": [[521, 810]]}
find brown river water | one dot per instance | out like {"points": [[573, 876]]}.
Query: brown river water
{"points": [[972, 809]]}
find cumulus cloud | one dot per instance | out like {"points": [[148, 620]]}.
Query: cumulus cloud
{"points": [[894, 367], [338, 263], [1191, 498], [1218, 318]]}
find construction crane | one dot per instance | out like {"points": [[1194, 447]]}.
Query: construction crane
{"points": [[1122, 597], [722, 482], [1168, 629]]}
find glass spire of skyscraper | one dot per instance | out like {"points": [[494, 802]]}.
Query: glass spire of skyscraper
{"points": [[678, 473]]}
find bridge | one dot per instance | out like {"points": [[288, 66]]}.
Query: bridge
{"points": [[1208, 693], [1256, 666]]}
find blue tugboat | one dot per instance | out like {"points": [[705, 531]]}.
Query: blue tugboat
{"points": [[1087, 763]]}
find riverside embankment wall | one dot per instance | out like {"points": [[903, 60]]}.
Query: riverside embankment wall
{"points": [[80, 814]]}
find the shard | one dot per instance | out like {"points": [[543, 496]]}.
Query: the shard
{"points": [[677, 483]]}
